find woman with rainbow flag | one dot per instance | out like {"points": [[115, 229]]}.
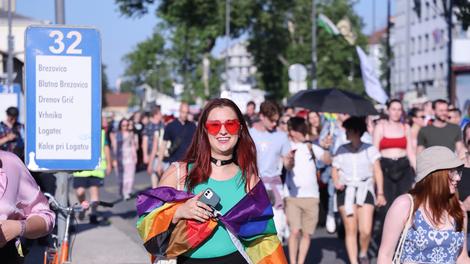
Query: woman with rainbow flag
{"points": [[175, 219]]}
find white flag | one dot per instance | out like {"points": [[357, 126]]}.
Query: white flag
{"points": [[371, 82]]}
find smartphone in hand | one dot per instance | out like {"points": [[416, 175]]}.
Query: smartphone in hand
{"points": [[210, 198], [332, 128]]}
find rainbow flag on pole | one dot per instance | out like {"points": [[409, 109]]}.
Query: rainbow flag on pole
{"points": [[250, 221]]}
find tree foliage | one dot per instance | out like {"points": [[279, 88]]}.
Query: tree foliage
{"points": [[338, 63], [148, 63], [278, 33]]}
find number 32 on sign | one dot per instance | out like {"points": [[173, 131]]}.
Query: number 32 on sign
{"points": [[63, 95]]}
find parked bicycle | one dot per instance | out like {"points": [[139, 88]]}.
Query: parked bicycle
{"points": [[58, 253]]}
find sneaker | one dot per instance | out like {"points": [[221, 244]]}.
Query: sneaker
{"points": [[330, 224], [364, 260]]}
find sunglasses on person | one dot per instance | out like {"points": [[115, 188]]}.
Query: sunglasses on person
{"points": [[231, 126]]}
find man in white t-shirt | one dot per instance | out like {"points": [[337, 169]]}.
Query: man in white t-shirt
{"points": [[272, 152], [301, 189]]}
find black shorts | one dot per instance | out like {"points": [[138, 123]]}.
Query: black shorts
{"points": [[86, 182], [340, 195], [233, 258]]}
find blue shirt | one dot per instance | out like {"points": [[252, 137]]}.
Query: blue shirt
{"points": [[149, 131], [180, 135], [270, 148], [424, 244], [17, 145]]}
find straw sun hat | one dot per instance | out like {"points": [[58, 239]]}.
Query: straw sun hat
{"points": [[435, 158]]}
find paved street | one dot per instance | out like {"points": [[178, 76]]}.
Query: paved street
{"points": [[118, 242]]}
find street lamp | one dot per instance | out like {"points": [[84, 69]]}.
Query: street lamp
{"points": [[157, 75], [314, 45]]}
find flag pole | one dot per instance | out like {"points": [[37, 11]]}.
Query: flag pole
{"points": [[314, 45]]}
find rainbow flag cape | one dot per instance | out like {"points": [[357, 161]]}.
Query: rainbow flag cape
{"points": [[250, 220]]}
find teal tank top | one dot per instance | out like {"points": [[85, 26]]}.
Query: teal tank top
{"points": [[230, 191]]}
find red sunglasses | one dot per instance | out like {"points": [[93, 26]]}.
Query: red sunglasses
{"points": [[214, 126]]}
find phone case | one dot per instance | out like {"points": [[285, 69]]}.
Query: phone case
{"points": [[210, 198]]}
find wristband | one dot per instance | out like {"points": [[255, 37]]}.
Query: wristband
{"points": [[23, 228]]}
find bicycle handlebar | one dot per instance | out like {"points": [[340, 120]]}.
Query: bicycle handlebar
{"points": [[75, 208]]}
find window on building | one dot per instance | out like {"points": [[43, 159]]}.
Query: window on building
{"points": [[433, 72], [442, 38], [426, 43], [418, 49], [418, 74], [426, 73], [435, 8], [427, 11], [412, 46], [417, 8], [412, 74]]}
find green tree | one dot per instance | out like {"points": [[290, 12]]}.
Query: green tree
{"points": [[338, 63], [281, 36], [148, 64], [268, 43], [278, 31], [192, 28]]}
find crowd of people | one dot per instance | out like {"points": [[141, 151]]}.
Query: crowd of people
{"points": [[361, 164], [350, 173], [373, 161]]}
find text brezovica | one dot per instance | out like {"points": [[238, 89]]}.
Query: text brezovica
{"points": [[48, 68]]}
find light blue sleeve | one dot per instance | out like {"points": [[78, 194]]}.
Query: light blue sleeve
{"points": [[285, 147]]}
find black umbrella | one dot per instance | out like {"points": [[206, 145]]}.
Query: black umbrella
{"points": [[332, 101]]}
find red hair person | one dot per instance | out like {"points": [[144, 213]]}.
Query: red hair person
{"points": [[428, 224], [222, 156]]}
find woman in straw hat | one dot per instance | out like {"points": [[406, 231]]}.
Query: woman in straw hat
{"points": [[433, 229]]}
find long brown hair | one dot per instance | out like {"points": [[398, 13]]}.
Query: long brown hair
{"points": [[310, 125], [199, 152], [434, 189]]}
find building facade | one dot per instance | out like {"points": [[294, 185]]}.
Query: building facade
{"points": [[419, 44], [19, 25], [241, 70]]}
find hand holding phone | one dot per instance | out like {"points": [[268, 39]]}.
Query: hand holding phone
{"points": [[210, 198], [332, 128]]}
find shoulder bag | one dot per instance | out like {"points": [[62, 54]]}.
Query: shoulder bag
{"points": [[398, 251]]}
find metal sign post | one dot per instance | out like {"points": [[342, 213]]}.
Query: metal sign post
{"points": [[63, 98]]}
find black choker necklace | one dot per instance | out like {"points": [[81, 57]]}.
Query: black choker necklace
{"points": [[219, 163]]}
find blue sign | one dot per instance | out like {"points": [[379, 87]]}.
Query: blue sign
{"points": [[63, 98]]}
